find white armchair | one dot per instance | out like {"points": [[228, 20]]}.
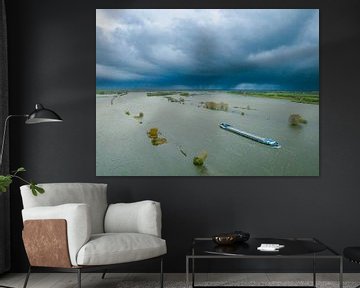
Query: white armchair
{"points": [[72, 228]]}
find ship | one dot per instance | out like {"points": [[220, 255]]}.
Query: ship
{"points": [[262, 140]]}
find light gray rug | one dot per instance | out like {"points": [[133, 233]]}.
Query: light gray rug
{"points": [[181, 284]]}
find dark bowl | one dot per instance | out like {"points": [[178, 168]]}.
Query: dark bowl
{"points": [[241, 236], [225, 239]]}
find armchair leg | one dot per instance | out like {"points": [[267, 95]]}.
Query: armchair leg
{"points": [[103, 275], [27, 277], [161, 273], [79, 277]]}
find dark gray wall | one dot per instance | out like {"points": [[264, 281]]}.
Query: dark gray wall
{"points": [[52, 61]]}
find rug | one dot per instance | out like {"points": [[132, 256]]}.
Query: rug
{"points": [[181, 284]]}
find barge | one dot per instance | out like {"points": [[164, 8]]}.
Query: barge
{"points": [[262, 140]]}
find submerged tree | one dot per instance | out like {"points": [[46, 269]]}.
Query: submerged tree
{"points": [[199, 160], [296, 120]]}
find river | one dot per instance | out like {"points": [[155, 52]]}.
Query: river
{"points": [[124, 149]]}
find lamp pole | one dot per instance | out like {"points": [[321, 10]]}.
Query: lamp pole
{"points": [[2, 152], [4, 133]]}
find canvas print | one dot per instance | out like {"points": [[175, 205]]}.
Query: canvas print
{"points": [[207, 92]]}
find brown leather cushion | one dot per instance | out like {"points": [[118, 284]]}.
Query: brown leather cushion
{"points": [[46, 243]]}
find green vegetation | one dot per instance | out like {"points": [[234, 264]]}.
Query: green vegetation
{"points": [[199, 160], [6, 180], [296, 120], [141, 115], [158, 141], [161, 93], [216, 106], [185, 94], [294, 96], [110, 92], [174, 100], [167, 93], [153, 134]]}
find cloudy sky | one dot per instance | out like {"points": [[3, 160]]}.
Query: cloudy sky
{"points": [[208, 49]]}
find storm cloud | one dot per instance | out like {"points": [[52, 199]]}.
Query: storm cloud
{"points": [[208, 49]]}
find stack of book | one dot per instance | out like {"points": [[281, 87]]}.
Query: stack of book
{"points": [[270, 247]]}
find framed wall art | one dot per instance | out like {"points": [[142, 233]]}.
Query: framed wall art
{"points": [[225, 92]]}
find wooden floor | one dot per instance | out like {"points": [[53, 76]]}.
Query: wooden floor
{"points": [[114, 280]]}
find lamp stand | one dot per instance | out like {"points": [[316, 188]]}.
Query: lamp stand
{"points": [[39, 115], [4, 135], [2, 153]]}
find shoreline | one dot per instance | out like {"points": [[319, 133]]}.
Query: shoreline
{"points": [[293, 96], [304, 97]]}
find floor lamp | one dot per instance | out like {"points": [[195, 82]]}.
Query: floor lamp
{"points": [[39, 115]]}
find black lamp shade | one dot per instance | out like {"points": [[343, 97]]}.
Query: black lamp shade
{"points": [[42, 115]]}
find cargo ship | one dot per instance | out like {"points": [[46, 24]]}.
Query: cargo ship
{"points": [[262, 140]]}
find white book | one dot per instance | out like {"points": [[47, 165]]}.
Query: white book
{"points": [[270, 247]]}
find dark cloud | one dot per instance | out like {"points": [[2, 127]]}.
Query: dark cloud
{"points": [[208, 49]]}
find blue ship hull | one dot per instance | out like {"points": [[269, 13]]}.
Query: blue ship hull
{"points": [[262, 140]]}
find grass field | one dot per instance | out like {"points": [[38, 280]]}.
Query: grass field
{"points": [[294, 96]]}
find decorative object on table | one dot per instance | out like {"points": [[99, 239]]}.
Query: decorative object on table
{"points": [[242, 236], [88, 234], [231, 238], [352, 254], [270, 247], [39, 115], [225, 239]]}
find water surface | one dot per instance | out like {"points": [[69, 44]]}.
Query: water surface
{"points": [[123, 148]]}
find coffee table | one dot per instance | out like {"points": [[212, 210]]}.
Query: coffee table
{"points": [[294, 248]]}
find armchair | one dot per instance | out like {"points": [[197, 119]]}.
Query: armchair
{"points": [[71, 228]]}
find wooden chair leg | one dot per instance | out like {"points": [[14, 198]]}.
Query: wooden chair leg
{"points": [[27, 277]]}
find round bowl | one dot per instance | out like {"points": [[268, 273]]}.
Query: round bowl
{"points": [[225, 239]]}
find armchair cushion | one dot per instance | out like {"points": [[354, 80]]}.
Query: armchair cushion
{"points": [[78, 221], [138, 217], [92, 194], [113, 248]]}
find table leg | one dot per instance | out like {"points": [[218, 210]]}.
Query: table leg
{"points": [[193, 272], [341, 273], [314, 271], [187, 272], [193, 267]]}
